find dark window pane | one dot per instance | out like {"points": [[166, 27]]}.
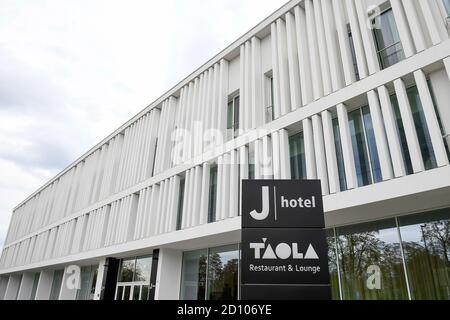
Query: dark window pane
{"points": [[423, 134], [127, 291], [56, 284], [272, 100], [402, 135], [143, 269], [251, 165], [230, 115], [87, 275], [127, 270], [297, 156], [180, 204], [372, 244], [236, 112], [352, 48], [387, 40], [359, 148], [193, 282], [332, 265], [426, 245], [136, 292], [339, 155], [371, 143], [119, 293], [223, 273], [35, 285], [144, 293], [212, 194]]}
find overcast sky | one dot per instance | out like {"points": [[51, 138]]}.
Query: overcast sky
{"points": [[73, 71]]}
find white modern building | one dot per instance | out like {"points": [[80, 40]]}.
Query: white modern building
{"points": [[355, 93]]}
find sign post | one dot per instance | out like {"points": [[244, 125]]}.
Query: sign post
{"points": [[284, 249]]}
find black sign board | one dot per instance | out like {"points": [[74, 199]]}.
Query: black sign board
{"points": [[284, 249], [282, 204], [287, 256], [293, 292]]}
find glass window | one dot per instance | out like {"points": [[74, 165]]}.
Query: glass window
{"points": [[447, 6], [127, 270], [3, 285], [193, 283], [269, 114], [426, 246], [56, 284], [387, 40], [364, 147], [359, 148], [136, 293], [16, 294], [119, 294], [438, 115], [332, 265], [145, 292], [372, 145], [126, 293], [212, 195], [251, 165], [374, 245], [233, 117], [35, 285], [143, 269], [352, 49], [421, 127], [87, 283], [423, 134], [134, 275], [211, 274], [339, 155], [230, 115], [402, 135], [223, 273], [180, 204], [297, 156]]}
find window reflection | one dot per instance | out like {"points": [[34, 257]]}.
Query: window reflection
{"points": [[223, 273], [56, 284], [210, 274], [297, 156], [371, 244], [426, 244], [212, 199], [401, 133], [421, 127], [447, 6], [387, 40], [127, 270], [87, 283], [119, 293], [339, 155], [143, 269], [194, 275], [365, 152], [426, 147], [134, 278], [136, 293], [332, 265]]}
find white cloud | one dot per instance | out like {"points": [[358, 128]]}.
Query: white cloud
{"points": [[73, 71]]}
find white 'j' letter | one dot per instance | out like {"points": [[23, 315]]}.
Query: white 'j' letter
{"points": [[265, 206]]}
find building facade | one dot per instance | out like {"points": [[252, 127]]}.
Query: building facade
{"points": [[355, 93]]}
